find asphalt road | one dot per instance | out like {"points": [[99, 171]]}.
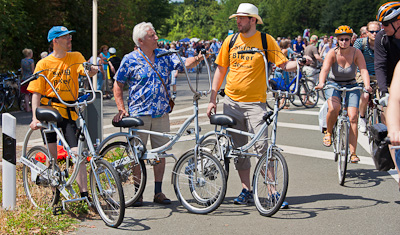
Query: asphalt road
{"points": [[368, 203]]}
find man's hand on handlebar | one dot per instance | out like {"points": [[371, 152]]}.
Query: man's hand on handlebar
{"points": [[308, 60], [118, 117], [93, 70], [34, 124], [212, 109]]}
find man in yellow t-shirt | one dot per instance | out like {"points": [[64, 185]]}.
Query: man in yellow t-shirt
{"points": [[62, 68], [246, 87]]}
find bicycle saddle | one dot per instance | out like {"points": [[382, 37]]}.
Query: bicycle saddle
{"points": [[222, 120], [128, 122], [48, 114]]}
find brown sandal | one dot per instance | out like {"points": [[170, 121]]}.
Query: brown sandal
{"points": [[327, 140], [354, 158]]}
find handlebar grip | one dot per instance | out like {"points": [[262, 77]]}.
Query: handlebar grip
{"points": [[165, 53], [247, 51], [386, 140]]}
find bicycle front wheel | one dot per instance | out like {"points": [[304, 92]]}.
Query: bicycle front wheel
{"points": [[295, 98], [37, 185], [199, 182], [133, 175], [2, 99], [270, 183], [211, 145], [107, 192], [343, 151], [308, 94], [10, 98], [271, 101]]}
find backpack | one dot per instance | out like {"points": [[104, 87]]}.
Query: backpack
{"points": [[263, 39]]}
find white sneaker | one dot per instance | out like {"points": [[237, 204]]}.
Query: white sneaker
{"points": [[362, 125]]}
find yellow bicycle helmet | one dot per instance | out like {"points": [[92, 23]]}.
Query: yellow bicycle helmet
{"points": [[389, 12], [344, 30]]}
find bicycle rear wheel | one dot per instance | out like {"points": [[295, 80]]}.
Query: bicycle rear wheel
{"points": [[307, 91], [37, 185], [343, 153], [133, 175], [199, 182], [270, 183], [107, 192]]}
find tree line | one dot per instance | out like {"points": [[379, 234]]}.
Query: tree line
{"points": [[25, 23]]}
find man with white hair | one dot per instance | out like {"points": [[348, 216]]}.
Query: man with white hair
{"points": [[246, 87], [148, 78]]}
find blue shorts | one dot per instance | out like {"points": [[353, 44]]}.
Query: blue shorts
{"points": [[352, 97]]}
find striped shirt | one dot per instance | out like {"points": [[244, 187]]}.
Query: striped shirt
{"points": [[368, 54]]}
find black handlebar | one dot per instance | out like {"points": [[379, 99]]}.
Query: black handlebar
{"points": [[165, 53], [247, 51]]}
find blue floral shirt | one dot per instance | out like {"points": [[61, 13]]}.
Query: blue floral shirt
{"points": [[147, 95]]}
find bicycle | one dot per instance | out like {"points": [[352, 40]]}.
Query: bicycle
{"points": [[271, 175], [43, 183], [8, 90], [198, 177], [305, 96], [373, 113], [340, 135]]}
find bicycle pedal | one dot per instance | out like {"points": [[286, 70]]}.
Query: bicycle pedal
{"points": [[154, 162], [58, 210]]}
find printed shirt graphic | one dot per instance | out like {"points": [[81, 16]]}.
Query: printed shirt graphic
{"points": [[147, 95], [63, 73], [246, 79]]}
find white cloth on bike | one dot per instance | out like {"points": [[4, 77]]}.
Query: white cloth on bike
{"points": [[323, 111]]}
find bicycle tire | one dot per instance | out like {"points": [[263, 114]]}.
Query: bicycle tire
{"points": [[21, 102], [200, 191], [307, 88], [266, 201], [10, 97], [37, 188], [343, 148], [271, 101], [110, 204], [210, 144], [373, 117], [132, 184], [295, 98], [2, 99]]}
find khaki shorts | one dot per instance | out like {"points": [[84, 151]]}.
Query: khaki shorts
{"points": [[372, 78], [160, 124], [248, 116]]}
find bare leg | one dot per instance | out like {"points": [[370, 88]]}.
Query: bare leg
{"points": [[333, 113], [244, 176], [353, 132]]}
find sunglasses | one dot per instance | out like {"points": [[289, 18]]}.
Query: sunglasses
{"points": [[344, 39], [372, 31]]}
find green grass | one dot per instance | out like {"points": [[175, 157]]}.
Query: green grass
{"points": [[26, 219]]}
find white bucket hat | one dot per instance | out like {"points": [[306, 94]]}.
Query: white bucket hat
{"points": [[247, 9]]}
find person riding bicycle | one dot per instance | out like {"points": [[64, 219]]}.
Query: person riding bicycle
{"points": [[393, 115], [62, 69], [387, 51], [148, 78], [343, 62], [366, 46], [246, 85]]}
